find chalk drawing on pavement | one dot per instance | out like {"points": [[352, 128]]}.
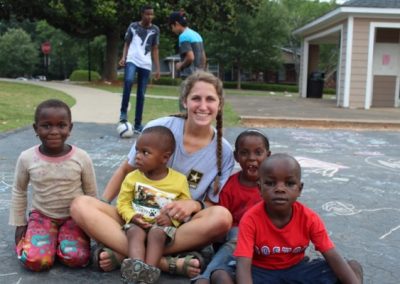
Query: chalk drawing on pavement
{"points": [[392, 164], [347, 209], [320, 167], [6, 180], [390, 232], [368, 153], [8, 274]]}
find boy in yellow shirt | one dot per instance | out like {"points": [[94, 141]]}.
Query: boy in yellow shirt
{"points": [[143, 193]]}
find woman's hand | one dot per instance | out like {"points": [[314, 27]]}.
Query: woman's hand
{"points": [[163, 220], [181, 209], [20, 233], [139, 221]]}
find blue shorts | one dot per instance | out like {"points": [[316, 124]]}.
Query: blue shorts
{"points": [[307, 271]]}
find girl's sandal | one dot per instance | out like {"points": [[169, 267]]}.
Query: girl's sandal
{"points": [[188, 256], [99, 248]]}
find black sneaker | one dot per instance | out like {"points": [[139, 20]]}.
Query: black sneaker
{"points": [[138, 129]]}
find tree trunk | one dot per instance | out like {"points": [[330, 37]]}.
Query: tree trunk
{"points": [[239, 77], [110, 66]]}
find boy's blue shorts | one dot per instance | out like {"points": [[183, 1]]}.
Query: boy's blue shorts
{"points": [[307, 271]]}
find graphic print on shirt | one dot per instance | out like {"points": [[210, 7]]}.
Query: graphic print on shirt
{"points": [[194, 178], [144, 36], [266, 250], [149, 200]]}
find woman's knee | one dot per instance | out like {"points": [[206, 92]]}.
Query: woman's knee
{"points": [[79, 205], [221, 218]]}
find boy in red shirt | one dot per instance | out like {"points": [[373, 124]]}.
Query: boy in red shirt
{"points": [[274, 234], [240, 193]]}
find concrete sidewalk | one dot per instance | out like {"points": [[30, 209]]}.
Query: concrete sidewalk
{"points": [[351, 178], [293, 111], [92, 105]]}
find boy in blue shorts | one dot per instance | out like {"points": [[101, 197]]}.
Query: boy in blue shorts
{"points": [[274, 234]]}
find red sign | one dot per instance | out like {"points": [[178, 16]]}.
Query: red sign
{"points": [[46, 47]]}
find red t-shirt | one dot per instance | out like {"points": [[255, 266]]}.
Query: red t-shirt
{"points": [[274, 248], [238, 198]]}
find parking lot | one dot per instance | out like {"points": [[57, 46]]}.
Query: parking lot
{"points": [[351, 179]]}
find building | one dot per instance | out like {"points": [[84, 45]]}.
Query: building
{"points": [[367, 33]]}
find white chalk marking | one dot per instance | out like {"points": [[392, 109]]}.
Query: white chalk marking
{"points": [[8, 274], [388, 233]]}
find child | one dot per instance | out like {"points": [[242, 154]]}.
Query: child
{"points": [[274, 234], [57, 172], [240, 193], [143, 193]]}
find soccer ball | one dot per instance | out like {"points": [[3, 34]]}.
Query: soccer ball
{"points": [[125, 129]]}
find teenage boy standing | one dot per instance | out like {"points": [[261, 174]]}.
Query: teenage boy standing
{"points": [[141, 45]]}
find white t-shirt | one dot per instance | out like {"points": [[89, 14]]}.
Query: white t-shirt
{"points": [[200, 167], [141, 41]]}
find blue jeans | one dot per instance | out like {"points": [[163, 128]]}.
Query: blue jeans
{"points": [[223, 258], [142, 79]]}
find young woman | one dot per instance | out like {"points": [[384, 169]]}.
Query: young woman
{"points": [[202, 154]]}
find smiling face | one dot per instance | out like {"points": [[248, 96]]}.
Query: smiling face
{"points": [[53, 126], [249, 153], [202, 104], [280, 183]]}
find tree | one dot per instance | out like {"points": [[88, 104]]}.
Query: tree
{"points": [[18, 54], [90, 18], [298, 13], [253, 41]]}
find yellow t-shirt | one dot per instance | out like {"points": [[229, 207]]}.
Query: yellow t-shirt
{"points": [[145, 196]]}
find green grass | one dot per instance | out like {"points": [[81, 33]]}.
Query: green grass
{"points": [[18, 102], [155, 108], [159, 90]]}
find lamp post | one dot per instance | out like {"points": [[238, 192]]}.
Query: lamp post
{"points": [[46, 49], [89, 62], [60, 44]]}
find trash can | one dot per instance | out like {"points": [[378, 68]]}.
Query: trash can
{"points": [[315, 85]]}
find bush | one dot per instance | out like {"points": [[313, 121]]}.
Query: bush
{"points": [[18, 54], [271, 87], [82, 75], [168, 81], [262, 87]]}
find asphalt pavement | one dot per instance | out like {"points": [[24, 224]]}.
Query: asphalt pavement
{"points": [[351, 179]]}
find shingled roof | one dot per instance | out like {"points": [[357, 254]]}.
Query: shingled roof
{"points": [[373, 3]]}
